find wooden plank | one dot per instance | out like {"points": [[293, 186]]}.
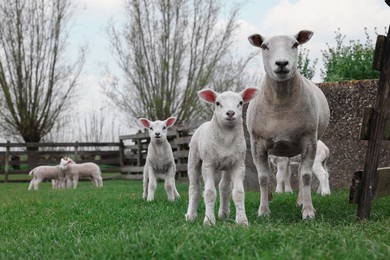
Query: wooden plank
{"points": [[181, 167], [182, 140], [181, 154], [132, 176], [377, 128], [366, 122], [129, 169], [103, 144], [379, 46]]}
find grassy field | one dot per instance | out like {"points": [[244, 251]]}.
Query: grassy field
{"points": [[115, 223]]}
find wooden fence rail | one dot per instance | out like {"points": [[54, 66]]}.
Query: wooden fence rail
{"points": [[126, 156]]}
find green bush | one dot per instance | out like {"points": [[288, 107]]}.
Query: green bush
{"points": [[349, 62]]}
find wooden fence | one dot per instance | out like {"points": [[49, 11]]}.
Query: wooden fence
{"points": [[126, 156]]}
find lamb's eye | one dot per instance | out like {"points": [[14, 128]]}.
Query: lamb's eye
{"points": [[217, 104], [151, 128], [164, 127], [241, 103], [264, 47], [295, 45]]}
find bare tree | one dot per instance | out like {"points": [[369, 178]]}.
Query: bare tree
{"points": [[167, 51], [36, 78]]}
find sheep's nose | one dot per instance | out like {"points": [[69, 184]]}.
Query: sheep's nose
{"points": [[281, 63], [157, 134], [230, 113]]}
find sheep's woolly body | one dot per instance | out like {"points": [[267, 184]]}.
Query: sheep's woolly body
{"points": [[45, 172]]}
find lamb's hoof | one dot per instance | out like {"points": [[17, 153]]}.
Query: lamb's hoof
{"points": [[308, 213], [324, 192], [149, 199], [208, 221], [190, 217], [223, 214], [242, 221]]}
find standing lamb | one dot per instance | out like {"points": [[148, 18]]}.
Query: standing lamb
{"points": [[159, 160], [74, 171], [288, 116], [46, 172], [218, 148], [320, 170]]}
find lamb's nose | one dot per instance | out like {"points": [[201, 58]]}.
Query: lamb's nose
{"points": [[157, 134], [281, 63], [230, 113]]}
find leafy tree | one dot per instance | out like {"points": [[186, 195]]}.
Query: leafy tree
{"points": [[305, 66], [349, 62], [168, 50]]}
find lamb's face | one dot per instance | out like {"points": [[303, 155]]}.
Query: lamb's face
{"points": [[64, 164], [157, 129], [228, 105], [280, 53]]}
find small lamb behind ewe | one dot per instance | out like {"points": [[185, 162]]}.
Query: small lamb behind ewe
{"points": [[288, 116], [46, 172], [74, 171], [159, 160], [320, 170], [218, 148]]}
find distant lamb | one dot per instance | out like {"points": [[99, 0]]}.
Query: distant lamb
{"points": [[288, 116], [46, 172], [159, 160], [217, 149], [74, 171], [320, 170]]}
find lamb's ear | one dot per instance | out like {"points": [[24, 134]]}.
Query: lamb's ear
{"points": [[249, 93], [256, 40], [304, 36], [145, 122], [208, 95], [170, 121]]}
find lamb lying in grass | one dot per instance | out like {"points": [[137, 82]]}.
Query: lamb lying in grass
{"points": [[218, 148], [74, 171], [159, 160], [46, 172], [320, 170]]}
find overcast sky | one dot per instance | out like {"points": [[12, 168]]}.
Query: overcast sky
{"points": [[267, 17]]}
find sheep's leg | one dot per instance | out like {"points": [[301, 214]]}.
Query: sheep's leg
{"points": [[194, 188], [260, 159], [225, 190], [305, 175], [170, 184], [210, 194], [145, 182], [152, 185], [75, 181], [30, 187], [36, 183], [323, 178], [100, 181], [239, 196], [283, 175]]}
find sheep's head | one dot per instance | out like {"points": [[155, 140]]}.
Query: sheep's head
{"points": [[64, 163], [280, 53], [157, 129], [228, 105]]}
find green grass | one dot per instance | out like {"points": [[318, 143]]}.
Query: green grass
{"points": [[115, 223]]}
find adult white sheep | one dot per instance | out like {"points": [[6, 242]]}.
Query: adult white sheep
{"points": [[46, 172], [288, 116], [218, 148], [74, 171], [159, 160], [320, 170]]}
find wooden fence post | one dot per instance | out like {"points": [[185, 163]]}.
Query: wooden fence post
{"points": [[76, 150], [6, 160], [377, 128], [121, 153]]}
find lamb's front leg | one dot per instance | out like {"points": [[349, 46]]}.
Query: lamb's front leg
{"points": [[145, 182], [239, 195], [170, 184], [305, 174], [194, 189], [225, 190], [260, 159], [152, 185], [210, 194]]}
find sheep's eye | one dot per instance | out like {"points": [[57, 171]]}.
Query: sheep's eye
{"points": [[295, 45], [264, 47], [164, 127], [151, 129], [241, 103], [217, 104]]}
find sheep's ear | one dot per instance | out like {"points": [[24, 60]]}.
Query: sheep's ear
{"points": [[170, 121], [249, 93], [208, 95], [145, 122], [304, 36], [256, 40]]}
